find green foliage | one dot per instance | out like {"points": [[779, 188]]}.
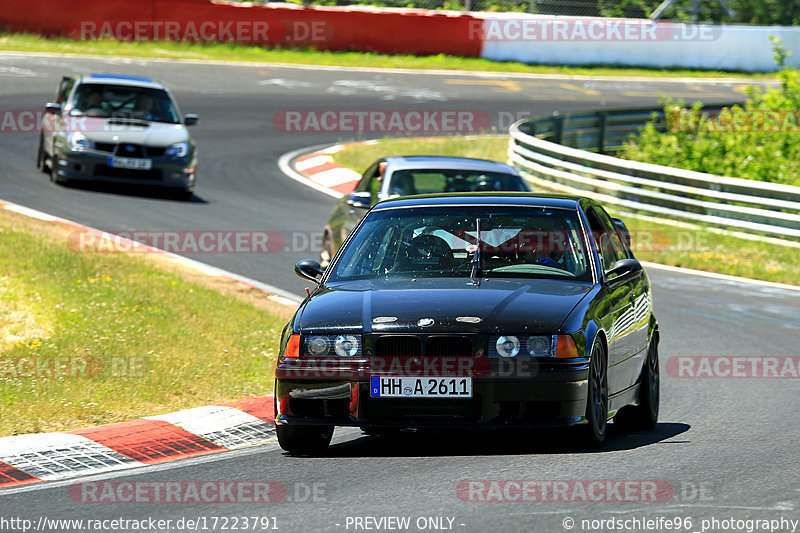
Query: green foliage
{"points": [[760, 141]]}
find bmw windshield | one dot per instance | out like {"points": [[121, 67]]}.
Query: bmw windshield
{"points": [[469, 242]]}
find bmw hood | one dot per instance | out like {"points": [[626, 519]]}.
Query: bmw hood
{"points": [[453, 305], [134, 132]]}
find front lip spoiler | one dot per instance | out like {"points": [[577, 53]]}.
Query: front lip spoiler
{"points": [[85, 178], [422, 424]]}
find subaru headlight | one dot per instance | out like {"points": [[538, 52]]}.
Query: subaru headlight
{"points": [[79, 142], [332, 345], [178, 149]]}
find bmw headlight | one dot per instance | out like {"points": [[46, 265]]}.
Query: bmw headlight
{"points": [[507, 346], [178, 149], [79, 142], [347, 345], [317, 346], [332, 345], [540, 346], [512, 345]]}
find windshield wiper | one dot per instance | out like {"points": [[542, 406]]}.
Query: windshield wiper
{"points": [[477, 268]]}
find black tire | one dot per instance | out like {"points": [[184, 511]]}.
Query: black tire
{"points": [[597, 398], [41, 157], [54, 177], [327, 253], [644, 415], [54, 169], [304, 440]]}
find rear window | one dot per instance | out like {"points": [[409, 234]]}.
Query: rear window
{"points": [[428, 181]]}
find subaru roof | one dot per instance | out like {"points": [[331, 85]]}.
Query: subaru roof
{"points": [[447, 162], [118, 79]]}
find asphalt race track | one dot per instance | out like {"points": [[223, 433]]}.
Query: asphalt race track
{"points": [[727, 447]]}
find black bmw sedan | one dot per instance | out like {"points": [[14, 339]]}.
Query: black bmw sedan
{"points": [[472, 311]]}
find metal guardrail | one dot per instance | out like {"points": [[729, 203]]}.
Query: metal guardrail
{"points": [[568, 154]]}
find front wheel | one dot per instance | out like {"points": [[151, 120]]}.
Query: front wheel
{"points": [[597, 398], [54, 168], [645, 415], [304, 440], [41, 157]]}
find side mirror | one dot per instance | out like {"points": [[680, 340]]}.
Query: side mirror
{"points": [[52, 107], [362, 200], [190, 119], [624, 269], [624, 230], [308, 269]]}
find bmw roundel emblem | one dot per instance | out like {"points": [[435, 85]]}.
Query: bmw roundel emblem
{"points": [[425, 322]]}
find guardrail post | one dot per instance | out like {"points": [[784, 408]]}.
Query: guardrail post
{"points": [[601, 132], [558, 127]]}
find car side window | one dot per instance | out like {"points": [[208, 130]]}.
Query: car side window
{"points": [[64, 88], [614, 231], [370, 183], [609, 244], [611, 249], [366, 177]]}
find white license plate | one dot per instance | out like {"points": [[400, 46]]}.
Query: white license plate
{"points": [[411, 387], [130, 162]]}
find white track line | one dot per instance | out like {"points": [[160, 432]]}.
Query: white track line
{"points": [[434, 72], [284, 163]]}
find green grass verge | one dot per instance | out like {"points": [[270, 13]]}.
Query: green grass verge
{"points": [[657, 242], [89, 338], [236, 52]]}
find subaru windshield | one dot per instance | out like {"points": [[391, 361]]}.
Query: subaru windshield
{"points": [[124, 101]]}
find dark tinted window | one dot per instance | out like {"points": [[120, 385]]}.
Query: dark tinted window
{"points": [[443, 242], [606, 236], [425, 181], [102, 100]]}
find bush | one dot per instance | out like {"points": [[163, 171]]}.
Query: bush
{"points": [[759, 141]]}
